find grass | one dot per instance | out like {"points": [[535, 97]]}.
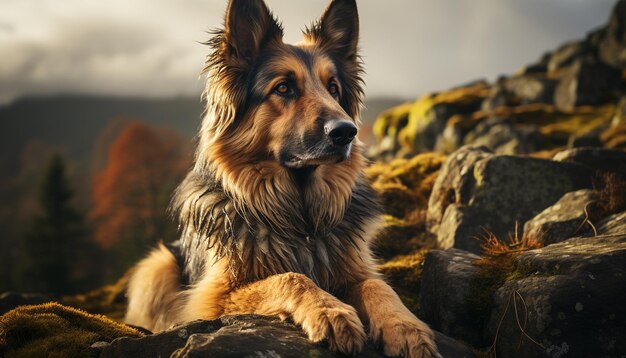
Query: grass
{"points": [[495, 267]]}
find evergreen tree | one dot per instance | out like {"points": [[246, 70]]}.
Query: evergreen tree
{"points": [[52, 246]]}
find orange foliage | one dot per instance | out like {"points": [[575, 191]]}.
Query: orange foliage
{"points": [[130, 194]]}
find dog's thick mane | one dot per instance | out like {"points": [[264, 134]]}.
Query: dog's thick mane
{"points": [[260, 216]]}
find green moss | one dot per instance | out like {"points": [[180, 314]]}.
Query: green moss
{"points": [[422, 112], [55, 330], [405, 184], [404, 273], [482, 288], [391, 121]]}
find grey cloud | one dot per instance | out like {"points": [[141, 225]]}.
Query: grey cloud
{"points": [[149, 47]]}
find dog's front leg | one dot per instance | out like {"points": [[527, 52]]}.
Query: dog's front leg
{"points": [[321, 315], [390, 322]]}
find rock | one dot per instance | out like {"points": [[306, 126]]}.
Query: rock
{"points": [[498, 97], [413, 127], [612, 46], [565, 55], [11, 300], [530, 89], [445, 289], [615, 137], [569, 298], [587, 139], [587, 82], [499, 135], [477, 191], [619, 117], [612, 225], [565, 219], [243, 336], [597, 159]]}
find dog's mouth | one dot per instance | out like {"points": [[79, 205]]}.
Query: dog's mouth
{"points": [[296, 161]]}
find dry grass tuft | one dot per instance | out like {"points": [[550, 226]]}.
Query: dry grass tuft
{"points": [[514, 245], [612, 188]]}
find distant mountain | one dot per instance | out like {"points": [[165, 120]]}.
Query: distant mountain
{"points": [[74, 122]]}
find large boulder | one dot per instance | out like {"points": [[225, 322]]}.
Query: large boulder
{"points": [[242, 336], [530, 89], [566, 299], [597, 159], [587, 82], [565, 55], [565, 219], [613, 224], [503, 137], [445, 293], [477, 191], [612, 44]]}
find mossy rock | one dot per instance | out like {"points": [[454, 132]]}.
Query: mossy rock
{"points": [[405, 184], [411, 127], [55, 330], [615, 137], [404, 273]]}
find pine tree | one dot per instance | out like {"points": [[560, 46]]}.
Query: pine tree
{"points": [[52, 246]]}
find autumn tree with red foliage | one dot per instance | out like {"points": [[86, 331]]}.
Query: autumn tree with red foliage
{"points": [[131, 193]]}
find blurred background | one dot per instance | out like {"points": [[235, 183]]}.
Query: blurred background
{"points": [[100, 102]]}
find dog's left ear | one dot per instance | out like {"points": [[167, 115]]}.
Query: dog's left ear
{"points": [[338, 29]]}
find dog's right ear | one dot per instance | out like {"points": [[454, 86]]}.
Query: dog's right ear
{"points": [[249, 25]]}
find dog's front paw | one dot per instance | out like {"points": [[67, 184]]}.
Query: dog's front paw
{"points": [[409, 338], [339, 325]]}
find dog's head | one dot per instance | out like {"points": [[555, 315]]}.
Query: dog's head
{"points": [[297, 105]]}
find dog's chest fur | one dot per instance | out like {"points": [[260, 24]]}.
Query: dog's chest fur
{"points": [[216, 229]]}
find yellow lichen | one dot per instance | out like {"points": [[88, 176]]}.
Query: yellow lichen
{"points": [[404, 274]]}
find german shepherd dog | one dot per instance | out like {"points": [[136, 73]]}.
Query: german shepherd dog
{"points": [[276, 215]]}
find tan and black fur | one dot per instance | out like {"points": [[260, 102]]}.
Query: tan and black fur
{"points": [[276, 215]]}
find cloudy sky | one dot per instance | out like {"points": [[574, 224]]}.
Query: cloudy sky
{"points": [[151, 47]]}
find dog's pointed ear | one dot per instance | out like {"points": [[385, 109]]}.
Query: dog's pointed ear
{"points": [[338, 29], [249, 25]]}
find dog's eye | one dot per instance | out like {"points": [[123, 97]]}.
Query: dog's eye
{"points": [[333, 89], [283, 88]]}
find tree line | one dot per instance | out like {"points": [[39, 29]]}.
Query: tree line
{"points": [[65, 251]]}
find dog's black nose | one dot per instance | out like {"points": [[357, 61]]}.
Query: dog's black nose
{"points": [[341, 132]]}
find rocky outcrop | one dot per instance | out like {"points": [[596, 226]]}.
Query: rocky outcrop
{"points": [[567, 98], [242, 336], [564, 300], [597, 159], [587, 82], [478, 192], [567, 218], [446, 281]]}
